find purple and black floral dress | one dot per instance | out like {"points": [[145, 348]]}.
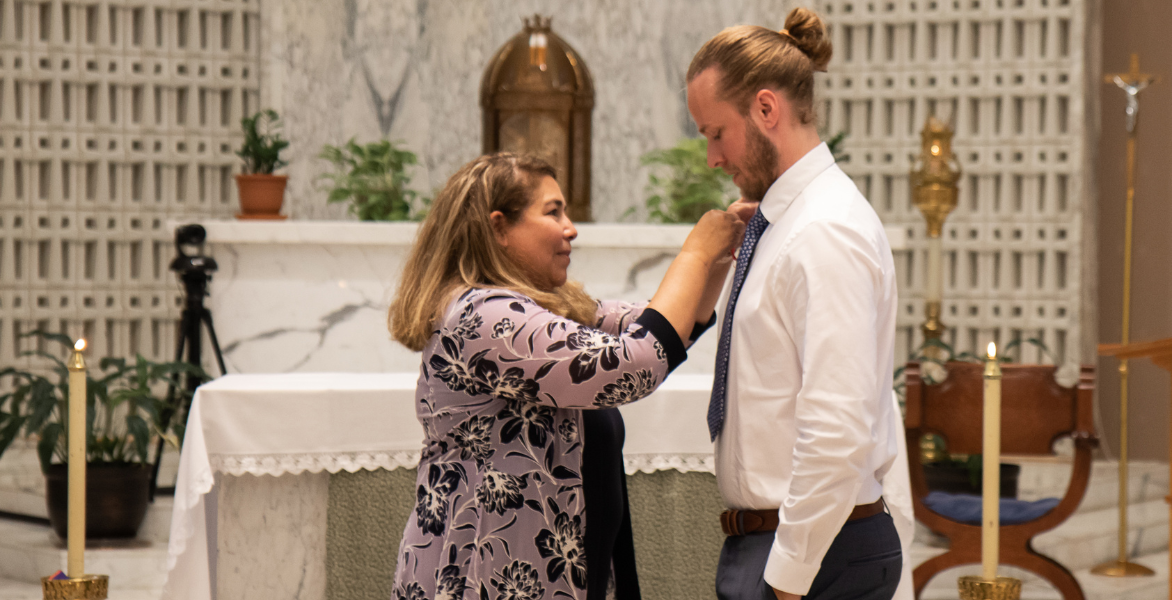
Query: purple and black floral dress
{"points": [[499, 511]]}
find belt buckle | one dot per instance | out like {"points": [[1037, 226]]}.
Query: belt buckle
{"points": [[732, 522]]}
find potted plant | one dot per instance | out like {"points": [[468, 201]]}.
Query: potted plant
{"points": [[373, 178], [261, 192], [124, 401]]}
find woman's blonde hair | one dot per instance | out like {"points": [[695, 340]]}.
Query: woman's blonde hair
{"points": [[456, 248], [752, 58]]}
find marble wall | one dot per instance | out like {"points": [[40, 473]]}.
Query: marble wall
{"points": [[410, 70]]}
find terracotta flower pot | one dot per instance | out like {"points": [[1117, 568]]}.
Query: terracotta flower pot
{"points": [[116, 497], [261, 196]]}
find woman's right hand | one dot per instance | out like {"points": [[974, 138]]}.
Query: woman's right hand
{"points": [[715, 237]]}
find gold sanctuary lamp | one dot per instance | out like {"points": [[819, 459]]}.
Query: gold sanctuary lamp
{"points": [[934, 191], [537, 97], [77, 585]]}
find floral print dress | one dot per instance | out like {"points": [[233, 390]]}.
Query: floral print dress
{"points": [[499, 509]]}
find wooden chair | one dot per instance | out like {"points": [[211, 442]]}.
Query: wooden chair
{"points": [[1035, 412]]}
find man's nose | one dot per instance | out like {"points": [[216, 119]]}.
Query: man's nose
{"points": [[715, 159]]}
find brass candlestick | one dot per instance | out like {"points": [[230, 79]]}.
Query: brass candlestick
{"points": [[86, 587], [934, 192], [979, 588], [1131, 83], [78, 585]]}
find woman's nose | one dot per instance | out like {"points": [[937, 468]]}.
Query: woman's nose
{"points": [[571, 231]]}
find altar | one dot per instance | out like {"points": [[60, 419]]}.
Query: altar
{"points": [[254, 504]]}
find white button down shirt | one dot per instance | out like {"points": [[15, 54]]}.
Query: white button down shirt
{"points": [[810, 426]]}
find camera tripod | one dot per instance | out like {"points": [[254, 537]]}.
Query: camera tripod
{"points": [[195, 271]]}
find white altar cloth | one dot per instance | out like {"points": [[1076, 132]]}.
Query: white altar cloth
{"points": [[309, 422]]}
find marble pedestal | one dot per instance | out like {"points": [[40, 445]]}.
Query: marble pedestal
{"points": [[265, 525]]}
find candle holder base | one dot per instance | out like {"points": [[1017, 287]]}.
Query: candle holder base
{"points": [[86, 587], [973, 587], [1122, 568]]}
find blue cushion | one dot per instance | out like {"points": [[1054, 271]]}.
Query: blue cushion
{"points": [[966, 508]]}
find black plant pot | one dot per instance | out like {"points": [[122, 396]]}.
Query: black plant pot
{"points": [[116, 497], [953, 478]]}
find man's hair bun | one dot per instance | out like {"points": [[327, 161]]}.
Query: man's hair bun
{"points": [[808, 33]]}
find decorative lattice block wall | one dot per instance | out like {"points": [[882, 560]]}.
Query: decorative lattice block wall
{"points": [[115, 116], [1009, 75]]}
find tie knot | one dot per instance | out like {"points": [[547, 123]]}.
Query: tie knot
{"points": [[758, 222]]}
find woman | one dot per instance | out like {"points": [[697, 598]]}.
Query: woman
{"points": [[511, 354]]}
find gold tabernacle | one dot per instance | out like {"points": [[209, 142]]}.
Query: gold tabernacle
{"points": [[537, 97]]}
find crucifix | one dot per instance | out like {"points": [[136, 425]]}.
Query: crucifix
{"points": [[1132, 83]]}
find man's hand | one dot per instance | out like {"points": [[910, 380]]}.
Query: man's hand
{"points": [[743, 209], [785, 595]]}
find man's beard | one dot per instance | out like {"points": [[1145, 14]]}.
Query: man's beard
{"points": [[760, 170]]}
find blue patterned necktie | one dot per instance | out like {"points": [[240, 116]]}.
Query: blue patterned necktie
{"points": [[753, 232]]}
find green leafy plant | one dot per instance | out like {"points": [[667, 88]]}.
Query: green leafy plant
{"points": [[373, 178], [690, 187], [124, 401], [261, 150]]}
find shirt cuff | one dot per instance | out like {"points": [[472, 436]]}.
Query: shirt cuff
{"points": [[785, 574], [700, 328], [661, 328]]}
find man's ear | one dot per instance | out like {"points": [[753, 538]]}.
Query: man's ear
{"points": [[499, 226], [770, 109]]}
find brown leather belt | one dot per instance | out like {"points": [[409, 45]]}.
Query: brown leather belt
{"points": [[741, 522]]}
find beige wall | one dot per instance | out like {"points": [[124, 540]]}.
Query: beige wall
{"points": [[1141, 26]]}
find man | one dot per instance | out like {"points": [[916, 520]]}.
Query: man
{"points": [[802, 412]]}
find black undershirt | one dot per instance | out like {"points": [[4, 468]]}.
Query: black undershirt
{"points": [[608, 536]]}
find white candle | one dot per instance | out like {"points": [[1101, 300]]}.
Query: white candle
{"points": [[991, 485], [935, 287], [77, 429]]}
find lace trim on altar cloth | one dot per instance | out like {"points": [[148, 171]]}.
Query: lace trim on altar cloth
{"points": [[684, 463], [333, 462], [281, 464]]}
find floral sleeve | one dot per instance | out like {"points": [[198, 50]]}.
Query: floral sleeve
{"points": [[501, 344], [613, 316]]}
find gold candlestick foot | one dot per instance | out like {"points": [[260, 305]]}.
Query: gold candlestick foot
{"points": [[973, 587], [1122, 568], [86, 587]]}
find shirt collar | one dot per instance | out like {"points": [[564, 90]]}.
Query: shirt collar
{"points": [[794, 180]]}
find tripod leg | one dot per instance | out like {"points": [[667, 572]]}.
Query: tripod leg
{"points": [[166, 417], [207, 320]]}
